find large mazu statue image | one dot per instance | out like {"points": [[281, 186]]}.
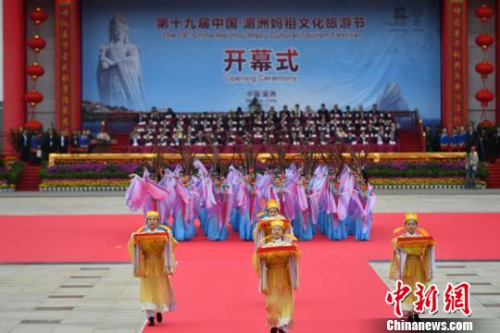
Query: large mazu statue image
{"points": [[119, 75]]}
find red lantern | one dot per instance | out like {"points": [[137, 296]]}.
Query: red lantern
{"points": [[484, 96], [35, 71], [484, 40], [33, 97], [486, 124], [38, 16], [33, 124], [484, 68], [484, 12], [36, 43]]}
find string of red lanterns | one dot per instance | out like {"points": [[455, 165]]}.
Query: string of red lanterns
{"points": [[484, 41], [34, 70]]}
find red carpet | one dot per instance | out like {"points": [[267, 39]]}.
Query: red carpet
{"points": [[103, 238], [216, 286]]}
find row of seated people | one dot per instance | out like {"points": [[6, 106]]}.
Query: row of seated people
{"points": [[349, 120], [293, 138], [328, 129], [333, 125], [221, 135], [170, 116]]}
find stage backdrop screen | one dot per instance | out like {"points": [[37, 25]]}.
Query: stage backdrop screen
{"points": [[198, 55]]}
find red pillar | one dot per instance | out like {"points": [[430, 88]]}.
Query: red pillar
{"points": [[14, 63], [77, 58]]}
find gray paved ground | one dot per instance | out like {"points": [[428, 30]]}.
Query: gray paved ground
{"points": [[484, 278], [91, 298], [69, 299], [82, 203]]}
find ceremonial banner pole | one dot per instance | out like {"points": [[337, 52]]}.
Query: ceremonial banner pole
{"points": [[68, 65], [454, 110]]}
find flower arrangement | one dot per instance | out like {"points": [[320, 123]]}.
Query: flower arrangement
{"points": [[125, 167], [106, 161], [417, 181], [11, 172], [89, 170], [486, 123], [81, 183], [422, 170], [395, 174], [5, 186], [102, 136], [398, 182], [9, 160]]}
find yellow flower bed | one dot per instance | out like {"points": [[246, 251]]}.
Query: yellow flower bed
{"points": [[6, 186], [421, 181], [84, 183]]}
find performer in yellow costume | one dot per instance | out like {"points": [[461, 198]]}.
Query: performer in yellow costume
{"points": [[413, 260], [263, 228], [277, 266], [152, 251]]}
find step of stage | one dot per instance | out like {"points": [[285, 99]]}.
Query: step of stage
{"points": [[493, 180], [409, 141], [118, 148], [121, 139], [30, 179], [122, 142]]}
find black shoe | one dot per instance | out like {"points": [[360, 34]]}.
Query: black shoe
{"points": [[411, 319], [151, 321], [416, 318], [159, 317], [274, 330]]}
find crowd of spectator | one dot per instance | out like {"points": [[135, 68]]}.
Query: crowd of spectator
{"points": [[293, 127], [487, 144], [36, 146]]}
